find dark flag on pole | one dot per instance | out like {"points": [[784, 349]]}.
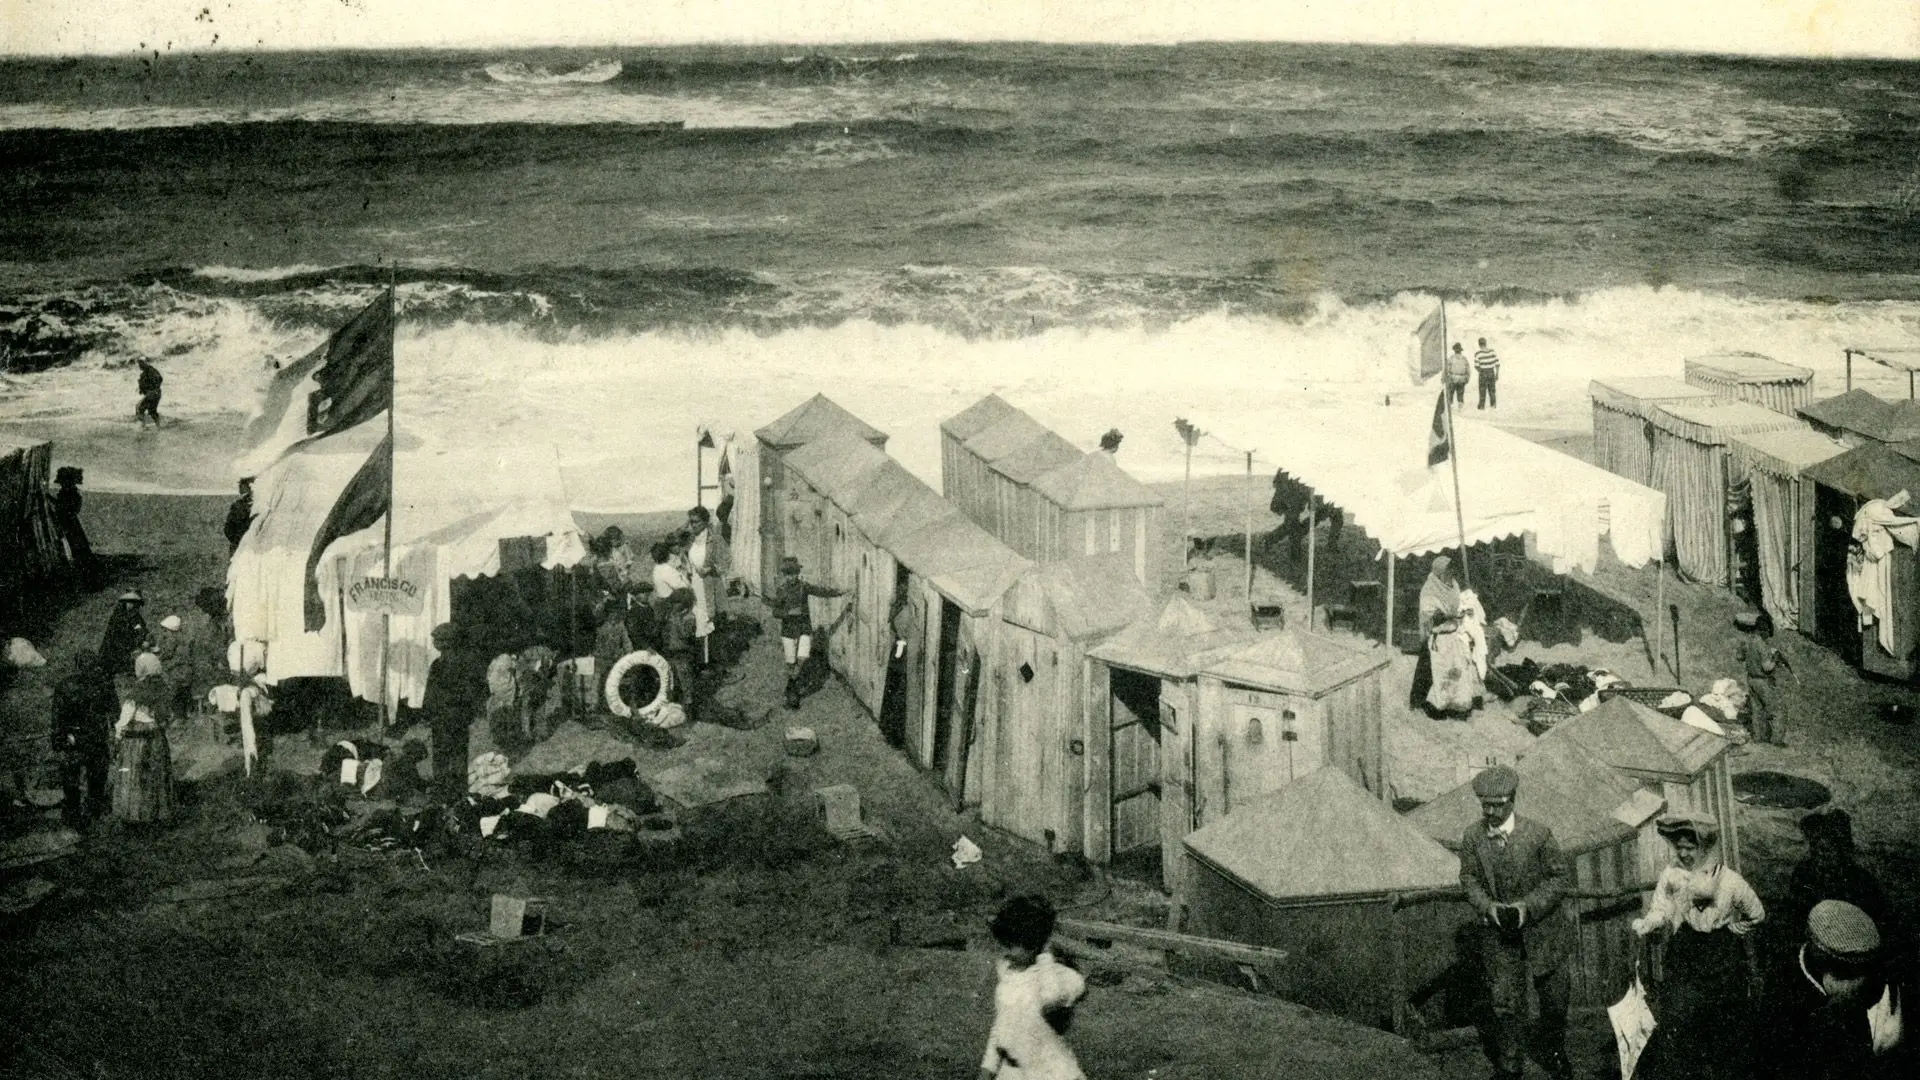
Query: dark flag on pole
{"points": [[347, 380], [1439, 446], [366, 498]]}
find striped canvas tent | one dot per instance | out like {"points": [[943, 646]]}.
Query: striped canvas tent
{"points": [[1691, 465], [1622, 438], [1773, 462], [1751, 377], [1604, 822]]}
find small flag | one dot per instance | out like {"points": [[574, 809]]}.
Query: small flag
{"points": [[366, 498], [1431, 345], [348, 379], [1439, 446]]}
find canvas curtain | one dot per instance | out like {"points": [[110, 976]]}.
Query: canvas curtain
{"points": [[1776, 532]]}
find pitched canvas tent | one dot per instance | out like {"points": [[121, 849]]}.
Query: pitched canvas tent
{"points": [[814, 418], [1690, 769], [1041, 494], [1773, 464], [1841, 485], [453, 509], [1604, 823], [1314, 869], [1622, 437], [1751, 377], [1857, 417], [1691, 465], [31, 551]]}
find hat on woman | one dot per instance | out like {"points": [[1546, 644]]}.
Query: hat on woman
{"points": [[171, 622], [132, 596], [789, 565], [147, 666], [1703, 828]]}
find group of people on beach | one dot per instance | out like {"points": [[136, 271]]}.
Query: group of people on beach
{"points": [[1485, 363], [1824, 1001]]}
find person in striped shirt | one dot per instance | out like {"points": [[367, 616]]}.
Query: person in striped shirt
{"points": [[1487, 363]]}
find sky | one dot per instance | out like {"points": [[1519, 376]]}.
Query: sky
{"points": [[1887, 28]]}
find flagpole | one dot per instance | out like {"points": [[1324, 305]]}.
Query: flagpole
{"points": [[1453, 450], [387, 705]]}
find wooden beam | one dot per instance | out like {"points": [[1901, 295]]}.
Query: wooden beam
{"points": [[1168, 941]]}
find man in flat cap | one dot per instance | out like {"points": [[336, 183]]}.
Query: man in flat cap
{"points": [[1514, 874], [1832, 1012]]}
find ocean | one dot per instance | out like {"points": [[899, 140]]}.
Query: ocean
{"points": [[1108, 236]]}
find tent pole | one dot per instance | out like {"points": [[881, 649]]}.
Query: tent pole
{"points": [[1390, 561], [1186, 513], [1849, 353], [1453, 458], [1313, 521], [1660, 607], [1249, 532], [387, 709]]}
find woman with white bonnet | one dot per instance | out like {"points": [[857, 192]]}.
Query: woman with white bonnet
{"points": [[1706, 999], [143, 759]]}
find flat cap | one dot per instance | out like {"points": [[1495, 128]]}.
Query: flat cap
{"points": [[1843, 930], [1498, 782]]}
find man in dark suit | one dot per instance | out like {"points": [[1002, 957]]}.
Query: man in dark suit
{"points": [[1514, 875]]}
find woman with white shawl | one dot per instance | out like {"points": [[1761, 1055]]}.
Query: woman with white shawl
{"points": [[1705, 1002]]}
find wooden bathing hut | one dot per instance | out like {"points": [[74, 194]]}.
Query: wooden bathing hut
{"points": [[1887, 646], [1773, 464], [32, 551], [1753, 378], [1622, 437], [1604, 823], [1857, 418], [815, 418], [859, 522], [1042, 495], [1690, 769], [1691, 465], [1318, 869], [1044, 739], [1142, 705]]}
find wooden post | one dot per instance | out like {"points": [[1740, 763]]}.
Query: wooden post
{"points": [[1313, 534], [1849, 353], [1390, 595], [1186, 513], [1249, 532], [1399, 966]]}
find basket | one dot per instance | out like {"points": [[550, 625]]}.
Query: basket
{"points": [[1650, 696]]}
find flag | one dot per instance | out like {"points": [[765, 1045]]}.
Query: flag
{"points": [[1439, 446], [1431, 345], [365, 499], [348, 379]]}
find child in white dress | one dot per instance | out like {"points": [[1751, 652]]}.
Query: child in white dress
{"points": [[1033, 1001]]}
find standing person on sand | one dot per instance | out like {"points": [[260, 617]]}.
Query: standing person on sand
{"points": [[66, 518], [1760, 660], [796, 621], [1486, 363], [1033, 999], [456, 695], [1515, 874], [84, 710], [125, 637], [150, 382], [1458, 368]]}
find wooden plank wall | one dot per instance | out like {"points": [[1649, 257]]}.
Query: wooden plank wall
{"points": [[1355, 741], [1033, 782], [1603, 941]]}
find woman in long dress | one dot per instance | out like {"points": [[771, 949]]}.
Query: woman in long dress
{"points": [[1705, 1002], [1439, 606], [143, 759]]}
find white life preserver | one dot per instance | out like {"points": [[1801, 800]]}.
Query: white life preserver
{"points": [[618, 705]]}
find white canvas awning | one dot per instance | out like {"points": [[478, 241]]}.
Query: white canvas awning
{"points": [[1371, 463], [455, 506]]}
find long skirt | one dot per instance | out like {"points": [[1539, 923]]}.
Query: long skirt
{"points": [[143, 777], [1701, 1011]]}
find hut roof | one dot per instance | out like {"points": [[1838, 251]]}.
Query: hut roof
{"points": [[1860, 412], [1638, 394], [1783, 453], [977, 417], [892, 496], [1635, 739], [839, 466], [814, 418], [1177, 641], [1294, 662], [1747, 367], [1323, 835], [1086, 598], [1712, 422], [1562, 786], [960, 559], [1094, 481], [1005, 436], [1044, 454], [1872, 471]]}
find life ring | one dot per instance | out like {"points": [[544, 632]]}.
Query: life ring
{"points": [[618, 705]]}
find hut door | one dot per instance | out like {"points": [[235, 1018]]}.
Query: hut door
{"points": [[1836, 624], [1135, 761], [948, 688]]}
